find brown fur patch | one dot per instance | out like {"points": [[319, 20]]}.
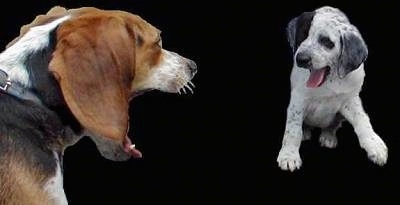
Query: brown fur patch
{"points": [[96, 61], [19, 183], [95, 73]]}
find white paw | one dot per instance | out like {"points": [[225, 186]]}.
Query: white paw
{"points": [[376, 149], [327, 139], [289, 159]]}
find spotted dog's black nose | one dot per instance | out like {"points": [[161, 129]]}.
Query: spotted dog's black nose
{"points": [[192, 67], [303, 60]]}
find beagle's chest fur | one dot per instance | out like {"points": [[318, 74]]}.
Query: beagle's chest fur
{"points": [[84, 66]]}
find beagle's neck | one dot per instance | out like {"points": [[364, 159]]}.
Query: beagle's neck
{"points": [[13, 59]]}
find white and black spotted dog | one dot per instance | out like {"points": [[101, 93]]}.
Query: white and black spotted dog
{"points": [[326, 80]]}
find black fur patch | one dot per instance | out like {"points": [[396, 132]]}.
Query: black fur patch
{"points": [[45, 85], [31, 132], [353, 53], [297, 29], [303, 26]]}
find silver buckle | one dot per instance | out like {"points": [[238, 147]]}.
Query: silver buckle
{"points": [[7, 83], [5, 87]]}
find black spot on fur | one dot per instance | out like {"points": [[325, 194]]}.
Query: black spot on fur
{"points": [[45, 86], [43, 83], [326, 41], [297, 29], [31, 132], [353, 53]]}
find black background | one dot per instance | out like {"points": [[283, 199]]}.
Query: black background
{"points": [[220, 144]]}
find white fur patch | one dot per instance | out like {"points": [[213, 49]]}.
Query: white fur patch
{"points": [[54, 186], [171, 75], [11, 60]]}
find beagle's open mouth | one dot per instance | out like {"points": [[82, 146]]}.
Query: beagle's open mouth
{"points": [[130, 149], [317, 77]]}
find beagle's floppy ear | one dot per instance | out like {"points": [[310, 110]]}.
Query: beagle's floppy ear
{"points": [[353, 53], [94, 62], [297, 29]]}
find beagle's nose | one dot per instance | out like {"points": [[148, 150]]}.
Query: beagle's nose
{"points": [[303, 60], [192, 66]]}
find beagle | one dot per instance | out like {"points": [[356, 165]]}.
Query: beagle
{"points": [[72, 73]]}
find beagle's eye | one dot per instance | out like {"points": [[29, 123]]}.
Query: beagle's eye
{"points": [[325, 41]]}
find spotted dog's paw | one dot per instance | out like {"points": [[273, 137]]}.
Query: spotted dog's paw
{"points": [[328, 139], [289, 159], [375, 148]]}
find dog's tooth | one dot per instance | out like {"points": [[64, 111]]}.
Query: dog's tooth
{"points": [[132, 146]]}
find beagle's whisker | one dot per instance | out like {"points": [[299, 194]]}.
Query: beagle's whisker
{"points": [[189, 88], [191, 84]]}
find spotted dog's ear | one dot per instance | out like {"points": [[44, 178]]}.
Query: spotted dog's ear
{"points": [[94, 62], [353, 53], [291, 33], [297, 29]]}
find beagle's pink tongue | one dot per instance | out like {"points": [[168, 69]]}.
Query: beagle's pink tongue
{"points": [[130, 148], [316, 78]]}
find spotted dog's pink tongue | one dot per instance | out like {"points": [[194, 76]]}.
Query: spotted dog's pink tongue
{"points": [[316, 77]]}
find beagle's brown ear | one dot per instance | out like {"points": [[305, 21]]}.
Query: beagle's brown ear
{"points": [[93, 63]]}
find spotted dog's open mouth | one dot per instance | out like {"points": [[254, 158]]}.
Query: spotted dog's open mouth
{"points": [[317, 77]]}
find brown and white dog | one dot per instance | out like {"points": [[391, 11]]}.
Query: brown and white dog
{"points": [[72, 73]]}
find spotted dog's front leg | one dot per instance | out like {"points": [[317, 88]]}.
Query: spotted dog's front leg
{"points": [[289, 156], [369, 140]]}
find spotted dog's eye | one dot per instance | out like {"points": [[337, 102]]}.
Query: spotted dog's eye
{"points": [[325, 41]]}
